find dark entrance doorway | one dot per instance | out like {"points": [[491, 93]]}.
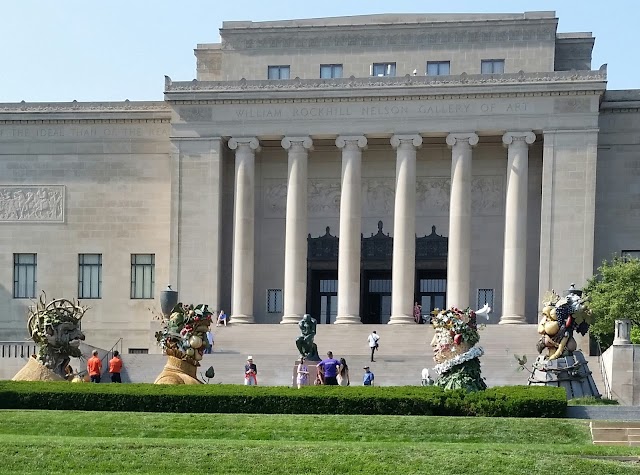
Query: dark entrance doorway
{"points": [[376, 296], [431, 291]]}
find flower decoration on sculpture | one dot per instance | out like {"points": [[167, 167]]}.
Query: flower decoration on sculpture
{"points": [[183, 334]]}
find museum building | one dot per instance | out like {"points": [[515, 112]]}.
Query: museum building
{"points": [[346, 167]]}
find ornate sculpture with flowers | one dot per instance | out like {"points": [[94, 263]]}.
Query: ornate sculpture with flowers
{"points": [[454, 350], [55, 327], [183, 339]]}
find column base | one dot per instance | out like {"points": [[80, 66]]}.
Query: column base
{"points": [[290, 319], [348, 320], [401, 320], [241, 319], [513, 320]]}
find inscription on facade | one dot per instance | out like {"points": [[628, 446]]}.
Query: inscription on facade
{"points": [[31, 203], [74, 132]]}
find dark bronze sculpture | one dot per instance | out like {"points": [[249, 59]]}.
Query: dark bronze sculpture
{"points": [[307, 348]]}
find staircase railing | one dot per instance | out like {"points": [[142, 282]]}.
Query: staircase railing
{"points": [[603, 372]]}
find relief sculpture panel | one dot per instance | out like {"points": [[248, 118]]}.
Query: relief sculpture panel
{"points": [[323, 198], [29, 203], [378, 197], [487, 196], [432, 196]]}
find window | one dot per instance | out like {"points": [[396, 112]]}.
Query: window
{"points": [[138, 351], [626, 255], [330, 71], [90, 276], [485, 296], [383, 69], [142, 275], [279, 72], [492, 66], [24, 276], [274, 300], [438, 68]]}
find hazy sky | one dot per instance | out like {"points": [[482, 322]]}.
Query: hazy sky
{"points": [[89, 50]]}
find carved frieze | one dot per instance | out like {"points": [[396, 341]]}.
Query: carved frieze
{"points": [[432, 196], [377, 197], [324, 198], [32, 203], [275, 198], [487, 196], [564, 105]]}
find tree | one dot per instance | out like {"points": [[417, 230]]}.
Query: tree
{"points": [[614, 293]]}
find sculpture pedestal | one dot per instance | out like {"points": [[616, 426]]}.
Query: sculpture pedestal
{"points": [[36, 371], [569, 372], [313, 372], [177, 371]]}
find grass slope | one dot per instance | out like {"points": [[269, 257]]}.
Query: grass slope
{"points": [[55, 442]]}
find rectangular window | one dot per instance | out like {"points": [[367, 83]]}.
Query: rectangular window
{"points": [[626, 255], [433, 285], [485, 296], [142, 275], [24, 276], [330, 71], [383, 69], [279, 72], [90, 276], [492, 66], [138, 351], [274, 300], [438, 68]]}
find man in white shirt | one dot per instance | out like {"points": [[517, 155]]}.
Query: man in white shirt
{"points": [[373, 343]]}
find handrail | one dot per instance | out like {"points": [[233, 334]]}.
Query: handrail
{"points": [[603, 372], [110, 351]]}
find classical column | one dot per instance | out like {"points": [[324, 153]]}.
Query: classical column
{"points": [[404, 229], [295, 250], [515, 227], [350, 225], [243, 224], [459, 255]]}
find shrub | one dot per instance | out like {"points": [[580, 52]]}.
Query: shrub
{"points": [[508, 401]]}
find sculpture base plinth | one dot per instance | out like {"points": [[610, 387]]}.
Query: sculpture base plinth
{"points": [[569, 372], [311, 377]]}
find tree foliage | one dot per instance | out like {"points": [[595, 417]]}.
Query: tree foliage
{"points": [[614, 293]]}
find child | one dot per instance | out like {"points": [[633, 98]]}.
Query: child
{"points": [[303, 374], [368, 378]]}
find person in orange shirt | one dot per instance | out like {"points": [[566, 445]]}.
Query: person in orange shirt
{"points": [[94, 367], [115, 366]]}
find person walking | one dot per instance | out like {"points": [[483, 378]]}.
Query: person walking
{"points": [[250, 373], [343, 374], [373, 343], [94, 367], [115, 367], [302, 378], [367, 379], [330, 368], [210, 338]]}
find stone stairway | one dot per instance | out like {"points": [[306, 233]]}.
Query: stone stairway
{"points": [[615, 433]]}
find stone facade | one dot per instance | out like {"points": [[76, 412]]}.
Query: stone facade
{"points": [[526, 172]]}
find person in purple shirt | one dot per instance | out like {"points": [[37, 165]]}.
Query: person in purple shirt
{"points": [[330, 368]]}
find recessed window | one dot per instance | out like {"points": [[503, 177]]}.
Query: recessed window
{"points": [[142, 275], [485, 296], [328, 71], [24, 276], [627, 255], [438, 68], [90, 276], [492, 66], [279, 72], [274, 300], [383, 69], [138, 351]]}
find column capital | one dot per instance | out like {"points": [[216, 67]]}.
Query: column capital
{"points": [[460, 138], [525, 137], [357, 141], [305, 142], [252, 142], [411, 140]]}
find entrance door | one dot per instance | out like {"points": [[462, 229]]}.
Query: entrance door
{"points": [[328, 301], [432, 292], [377, 297]]}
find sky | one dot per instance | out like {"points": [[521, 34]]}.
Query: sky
{"points": [[89, 50]]}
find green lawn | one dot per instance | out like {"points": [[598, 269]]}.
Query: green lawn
{"points": [[49, 442]]}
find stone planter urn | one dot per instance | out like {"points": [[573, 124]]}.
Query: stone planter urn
{"points": [[168, 300]]}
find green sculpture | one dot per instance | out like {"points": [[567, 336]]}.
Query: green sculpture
{"points": [[307, 348]]}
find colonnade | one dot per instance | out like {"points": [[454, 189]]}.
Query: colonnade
{"points": [[403, 264]]}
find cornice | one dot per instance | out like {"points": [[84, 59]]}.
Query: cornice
{"points": [[88, 107], [403, 85]]}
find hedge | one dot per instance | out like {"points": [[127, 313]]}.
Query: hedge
{"points": [[507, 401]]}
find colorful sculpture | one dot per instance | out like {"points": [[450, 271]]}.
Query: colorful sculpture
{"points": [[454, 348], [55, 328], [184, 340]]}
